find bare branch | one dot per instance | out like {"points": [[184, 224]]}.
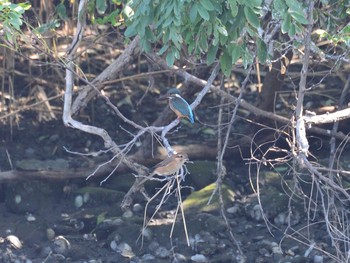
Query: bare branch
{"points": [[243, 103], [303, 144], [328, 117], [67, 115], [193, 105], [110, 73]]}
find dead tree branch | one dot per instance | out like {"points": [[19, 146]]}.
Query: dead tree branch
{"points": [[110, 73]]}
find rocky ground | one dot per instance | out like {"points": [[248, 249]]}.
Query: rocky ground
{"points": [[81, 221]]}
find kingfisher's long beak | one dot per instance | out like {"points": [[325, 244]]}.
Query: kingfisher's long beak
{"points": [[164, 97]]}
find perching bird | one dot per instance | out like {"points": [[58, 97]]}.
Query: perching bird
{"points": [[170, 165], [178, 104]]}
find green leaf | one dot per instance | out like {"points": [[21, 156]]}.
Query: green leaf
{"points": [[91, 7], [236, 53], [233, 7], [299, 17], [254, 3], [226, 63], [51, 25], [145, 45], [279, 5], [163, 49], [166, 36], [149, 35], [15, 20], [100, 218], [251, 17], [211, 55], [295, 6], [25, 5], [177, 10], [291, 31], [298, 29], [203, 42], [9, 36], [203, 12], [207, 5], [191, 46], [167, 22], [170, 58], [101, 6], [262, 50], [193, 13], [18, 9], [286, 23], [130, 31], [209, 28], [247, 58], [222, 30], [176, 53], [61, 11], [175, 37], [223, 39]]}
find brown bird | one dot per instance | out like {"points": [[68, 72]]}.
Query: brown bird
{"points": [[170, 165]]}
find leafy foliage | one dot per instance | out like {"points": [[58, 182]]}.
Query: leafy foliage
{"points": [[11, 19], [109, 13], [227, 30], [203, 30], [221, 29]]}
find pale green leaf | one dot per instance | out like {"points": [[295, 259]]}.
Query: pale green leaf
{"points": [[262, 50], [295, 6], [222, 30], [203, 12], [163, 49], [167, 22], [203, 42], [130, 31], [291, 31], [286, 23], [226, 64], [279, 5], [299, 17], [211, 55], [25, 5], [247, 58], [193, 13], [254, 3], [251, 17], [18, 9], [236, 53], [170, 58], [61, 11], [207, 5], [101, 6], [233, 7]]}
